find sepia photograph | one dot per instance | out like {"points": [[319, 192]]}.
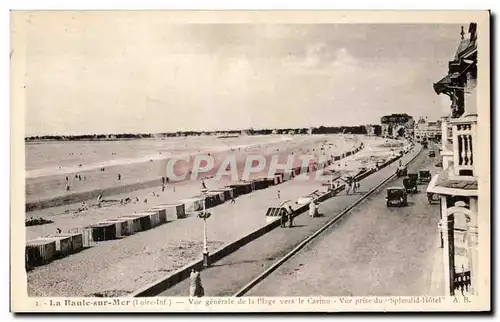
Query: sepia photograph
{"points": [[250, 161]]}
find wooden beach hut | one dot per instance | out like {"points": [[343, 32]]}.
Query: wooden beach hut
{"points": [[100, 232], [133, 223], [75, 238], [122, 226], [173, 211], [40, 252], [228, 192], [241, 188], [63, 245], [162, 213], [192, 204]]}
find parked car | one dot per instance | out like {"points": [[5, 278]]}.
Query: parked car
{"points": [[432, 153], [413, 176], [396, 196]]}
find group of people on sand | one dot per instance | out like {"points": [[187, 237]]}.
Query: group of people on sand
{"points": [[77, 177]]}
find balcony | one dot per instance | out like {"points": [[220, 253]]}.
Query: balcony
{"points": [[464, 131]]}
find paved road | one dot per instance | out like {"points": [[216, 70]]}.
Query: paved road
{"points": [[228, 275], [374, 250]]}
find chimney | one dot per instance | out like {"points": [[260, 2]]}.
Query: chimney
{"points": [[473, 30]]}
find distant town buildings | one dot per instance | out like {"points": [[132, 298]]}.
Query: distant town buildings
{"points": [[457, 184], [397, 125], [427, 129]]}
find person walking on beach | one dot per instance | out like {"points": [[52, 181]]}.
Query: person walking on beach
{"points": [[279, 194]]}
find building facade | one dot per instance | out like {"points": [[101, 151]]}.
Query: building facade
{"points": [[457, 184], [427, 130], [397, 126]]}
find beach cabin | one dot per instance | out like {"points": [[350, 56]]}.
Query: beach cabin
{"points": [[174, 211], [228, 192], [153, 217], [162, 213], [39, 252], [63, 245], [100, 232], [241, 188], [218, 195], [277, 179], [76, 240], [122, 225], [192, 204], [288, 175], [133, 224], [210, 200], [261, 183]]}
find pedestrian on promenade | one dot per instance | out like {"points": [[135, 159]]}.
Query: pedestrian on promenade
{"points": [[290, 217], [162, 188], [145, 200], [312, 209], [119, 176], [278, 194], [162, 180], [358, 185], [232, 200], [283, 218], [195, 286]]}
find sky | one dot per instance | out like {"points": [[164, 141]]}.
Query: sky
{"points": [[139, 74]]}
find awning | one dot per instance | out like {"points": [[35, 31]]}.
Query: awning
{"points": [[444, 84], [443, 185]]}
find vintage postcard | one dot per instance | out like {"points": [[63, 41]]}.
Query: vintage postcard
{"points": [[219, 161]]}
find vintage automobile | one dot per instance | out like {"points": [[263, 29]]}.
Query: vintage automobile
{"points": [[401, 171], [413, 176], [432, 153], [425, 145], [424, 176], [396, 196], [410, 185]]}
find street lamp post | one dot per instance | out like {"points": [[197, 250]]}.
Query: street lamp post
{"points": [[205, 215]]}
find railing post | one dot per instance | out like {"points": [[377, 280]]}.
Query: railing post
{"points": [[455, 150]]}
